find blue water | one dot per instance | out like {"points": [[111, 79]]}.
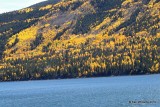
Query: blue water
{"points": [[123, 91]]}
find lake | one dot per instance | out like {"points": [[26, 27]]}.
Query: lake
{"points": [[122, 91]]}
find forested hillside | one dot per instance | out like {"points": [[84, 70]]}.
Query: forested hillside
{"points": [[80, 38]]}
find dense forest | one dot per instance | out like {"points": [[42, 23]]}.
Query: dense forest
{"points": [[80, 38]]}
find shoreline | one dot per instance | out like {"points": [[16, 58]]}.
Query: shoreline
{"points": [[82, 78]]}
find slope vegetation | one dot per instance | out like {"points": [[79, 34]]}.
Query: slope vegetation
{"points": [[80, 38]]}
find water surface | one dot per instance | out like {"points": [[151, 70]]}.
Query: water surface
{"points": [[123, 91]]}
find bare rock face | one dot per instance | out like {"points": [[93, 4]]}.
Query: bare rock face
{"points": [[145, 1]]}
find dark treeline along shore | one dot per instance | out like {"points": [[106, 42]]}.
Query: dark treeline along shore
{"points": [[80, 38]]}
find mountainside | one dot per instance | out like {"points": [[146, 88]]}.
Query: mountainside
{"points": [[80, 38]]}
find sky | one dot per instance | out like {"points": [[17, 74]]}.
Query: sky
{"points": [[11, 5]]}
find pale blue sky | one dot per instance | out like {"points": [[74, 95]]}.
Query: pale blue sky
{"points": [[10, 5]]}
